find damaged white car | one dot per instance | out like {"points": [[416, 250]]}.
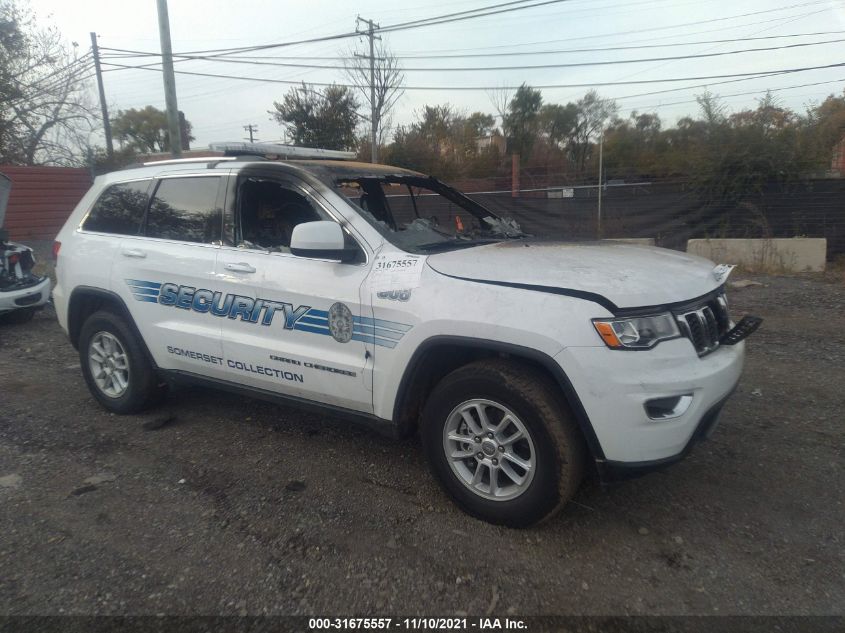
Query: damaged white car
{"points": [[22, 292]]}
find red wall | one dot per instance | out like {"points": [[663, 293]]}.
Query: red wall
{"points": [[41, 199]]}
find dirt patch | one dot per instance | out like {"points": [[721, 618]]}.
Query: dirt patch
{"points": [[237, 506]]}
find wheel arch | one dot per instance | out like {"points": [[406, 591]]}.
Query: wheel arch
{"points": [[85, 301], [439, 355]]}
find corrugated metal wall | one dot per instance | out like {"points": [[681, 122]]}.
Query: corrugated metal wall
{"points": [[42, 198]]}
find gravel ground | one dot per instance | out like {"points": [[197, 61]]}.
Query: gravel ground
{"points": [[216, 504]]}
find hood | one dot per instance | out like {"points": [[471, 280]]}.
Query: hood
{"points": [[615, 275], [5, 189]]}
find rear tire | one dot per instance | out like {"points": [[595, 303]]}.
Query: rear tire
{"points": [[499, 416], [115, 366]]}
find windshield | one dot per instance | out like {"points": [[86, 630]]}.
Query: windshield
{"points": [[422, 215]]}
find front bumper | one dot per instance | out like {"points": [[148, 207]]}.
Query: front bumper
{"points": [[32, 297], [614, 387], [610, 471]]}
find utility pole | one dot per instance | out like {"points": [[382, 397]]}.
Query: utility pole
{"points": [[169, 80], [601, 160], [370, 33], [252, 129], [95, 51]]}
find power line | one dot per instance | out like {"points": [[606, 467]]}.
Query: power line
{"points": [[613, 48], [231, 60], [635, 31], [480, 12], [438, 20], [735, 94], [459, 13], [73, 75], [35, 84], [216, 52], [128, 54], [761, 73]]}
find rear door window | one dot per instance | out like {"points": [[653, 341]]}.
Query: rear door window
{"points": [[186, 209], [119, 209]]}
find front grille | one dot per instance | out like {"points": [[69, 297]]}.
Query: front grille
{"points": [[704, 324]]}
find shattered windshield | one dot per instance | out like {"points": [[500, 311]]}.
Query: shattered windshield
{"points": [[423, 215]]}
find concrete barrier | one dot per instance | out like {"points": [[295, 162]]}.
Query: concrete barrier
{"points": [[775, 255], [642, 241]]}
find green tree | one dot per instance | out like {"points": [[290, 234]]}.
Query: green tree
{"points": [[431, 143], [314, 118], [594, 112], [558, 122], [825, 128], [145, 130], [521, 122], [635, 147]]}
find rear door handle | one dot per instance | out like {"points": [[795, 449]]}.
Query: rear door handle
{"points": [[134, 252], [239, 267]]}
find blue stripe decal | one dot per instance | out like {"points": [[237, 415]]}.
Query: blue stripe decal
{"points": [[370, 339], [311, 328], [146, 298], [318, 313], [366, 329], [143, 284], [146, 291], [389, 325], [313, 321]]}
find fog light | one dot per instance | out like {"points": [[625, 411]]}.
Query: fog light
{"points": [[668, 408]]}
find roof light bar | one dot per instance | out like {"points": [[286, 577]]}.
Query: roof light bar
{"points": [[277, 150]]}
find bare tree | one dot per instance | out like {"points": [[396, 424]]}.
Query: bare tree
{"points": [[47, 111], [388, 81], [501, 98]]}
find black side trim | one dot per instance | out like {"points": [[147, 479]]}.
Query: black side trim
{"points": [[175, 376], [518, 351], [568, 292], [611, 471]]}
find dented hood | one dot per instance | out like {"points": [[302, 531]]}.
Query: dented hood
{"points": [[623, 275]]}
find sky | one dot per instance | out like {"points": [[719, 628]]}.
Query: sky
{"points": [[219, 108]]}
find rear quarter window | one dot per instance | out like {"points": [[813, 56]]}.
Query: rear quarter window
{"points": [[186, 209], [119, 209]]}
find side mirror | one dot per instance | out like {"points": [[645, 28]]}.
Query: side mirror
{"points": [[320, 240]]}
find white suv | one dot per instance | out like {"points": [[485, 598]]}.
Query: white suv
{"points": [[384, 295]]}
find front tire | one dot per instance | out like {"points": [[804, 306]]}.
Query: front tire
{"points": [[500, 440], [116, 369]]}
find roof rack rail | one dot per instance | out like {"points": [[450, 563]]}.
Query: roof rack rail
{"points": [[180, 161], [279, 151]]}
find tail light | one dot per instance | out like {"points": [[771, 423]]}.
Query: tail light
{"points": [[14, 258], [56, 246]]}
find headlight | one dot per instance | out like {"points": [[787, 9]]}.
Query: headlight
{"points": [[642, 332]]}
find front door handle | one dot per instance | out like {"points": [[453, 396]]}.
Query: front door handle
{"points": [[134, 252], [239, 267]]}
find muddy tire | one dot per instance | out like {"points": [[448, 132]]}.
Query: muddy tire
{"points": [[499, 438], [116, 369]]}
